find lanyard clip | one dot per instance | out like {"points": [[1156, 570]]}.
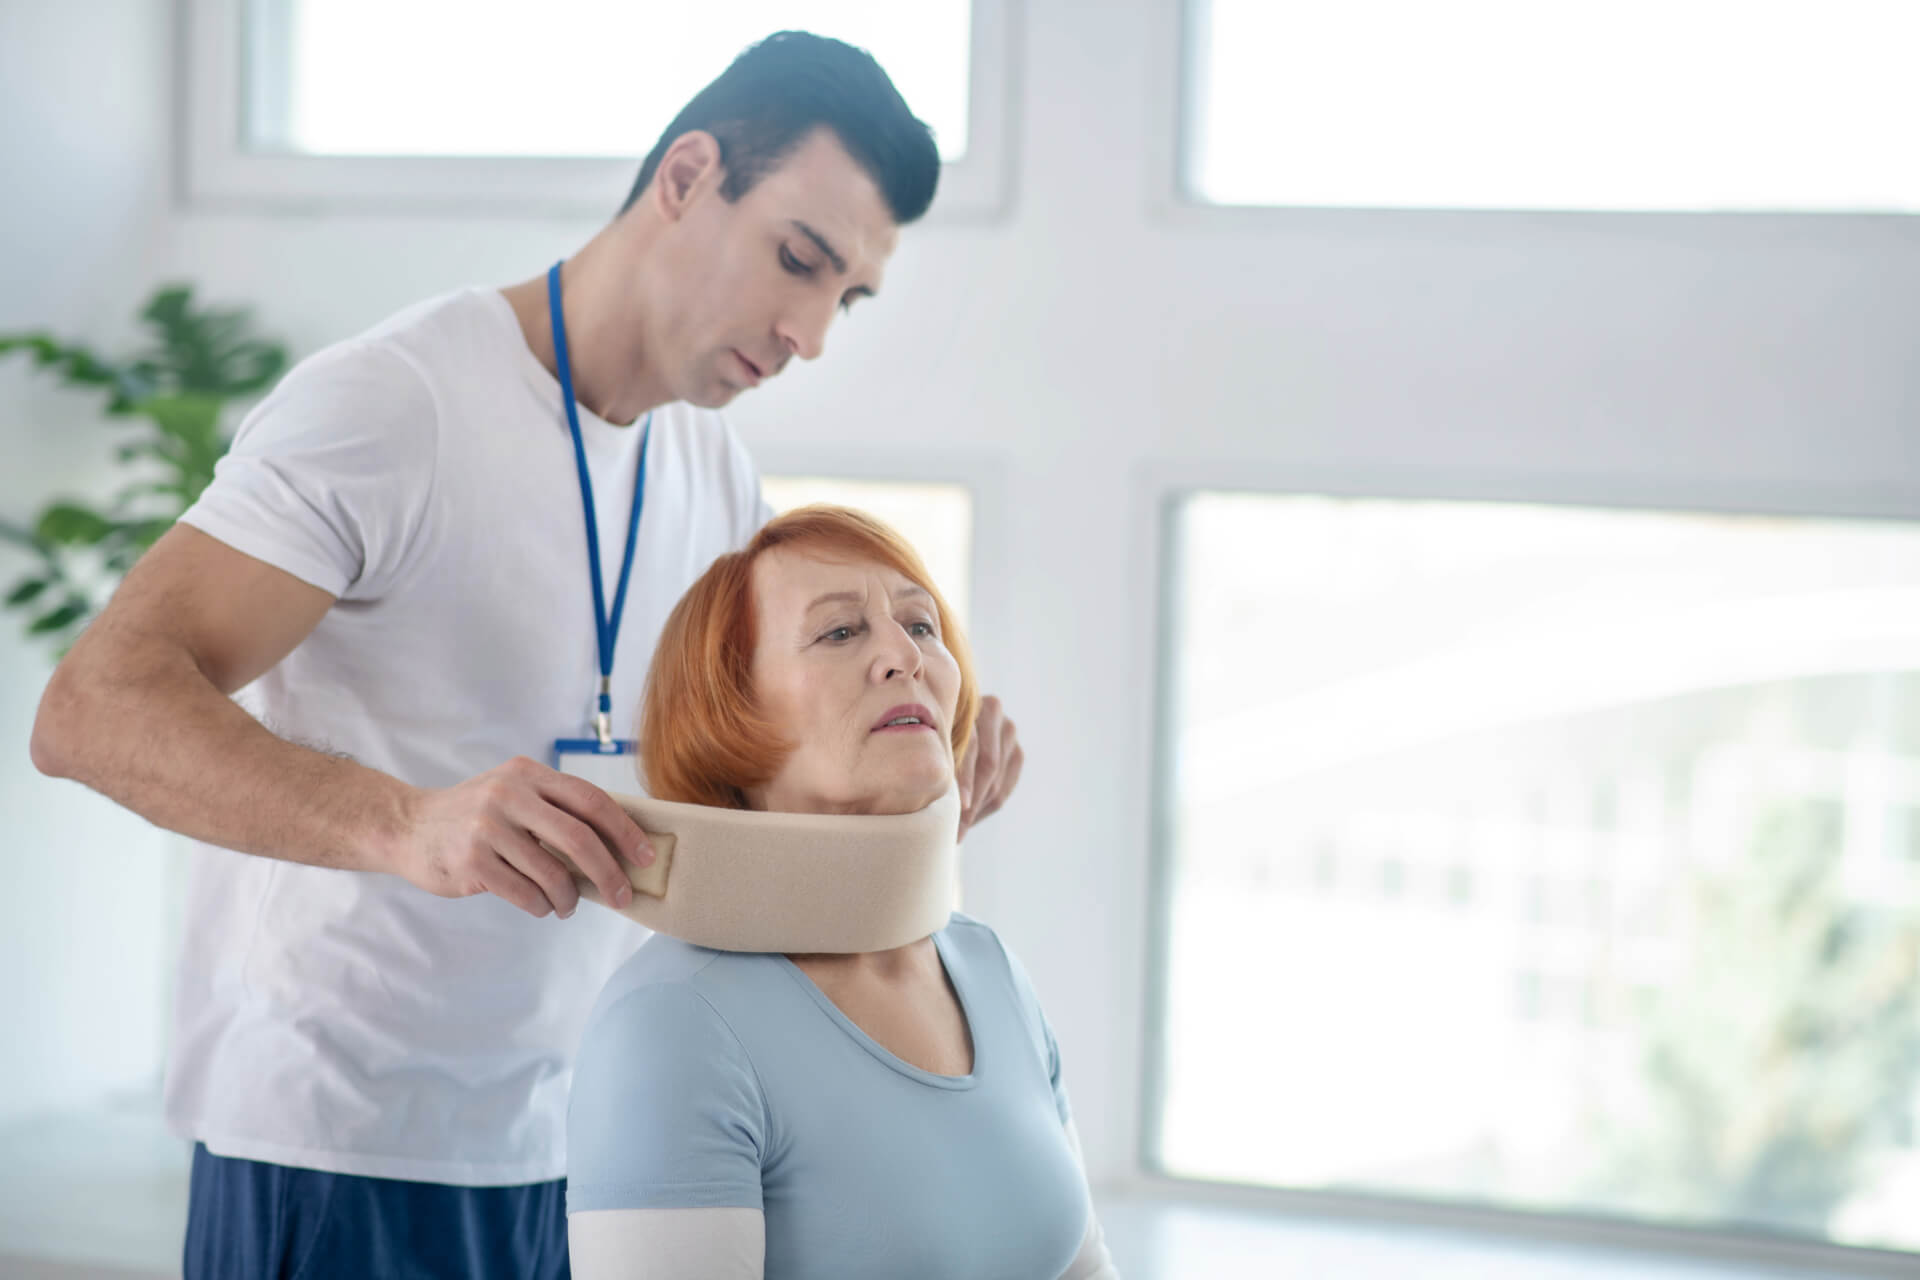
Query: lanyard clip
{"points": [[603, 718]]}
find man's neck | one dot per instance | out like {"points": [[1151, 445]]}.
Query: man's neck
{"points": [[607, 379]]}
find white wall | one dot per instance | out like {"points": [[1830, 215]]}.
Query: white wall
{"points": [[83, 168], [1089, 342]]}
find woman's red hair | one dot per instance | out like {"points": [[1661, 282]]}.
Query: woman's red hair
{"points": [[703, 739]]}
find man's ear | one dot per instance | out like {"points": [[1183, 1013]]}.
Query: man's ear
{"points": [[689, 170]]}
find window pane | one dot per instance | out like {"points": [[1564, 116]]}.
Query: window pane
{"points": [[1574, 855], [1632, 104], [936, 518], [560, 78]]}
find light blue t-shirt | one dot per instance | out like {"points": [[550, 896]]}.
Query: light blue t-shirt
{"points": [[715, 1079]]}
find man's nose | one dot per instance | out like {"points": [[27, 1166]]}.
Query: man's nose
{"points": [[804, 331]]}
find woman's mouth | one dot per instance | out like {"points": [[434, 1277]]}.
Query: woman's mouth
{"points": [[904, 719]]}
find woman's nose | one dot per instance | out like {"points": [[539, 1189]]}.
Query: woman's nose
{"points": [[897, 654]]}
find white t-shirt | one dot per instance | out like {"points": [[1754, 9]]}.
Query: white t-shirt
{"points": [[423, 474]]}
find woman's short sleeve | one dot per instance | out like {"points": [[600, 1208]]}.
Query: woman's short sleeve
{"points": [[666, 1112]]}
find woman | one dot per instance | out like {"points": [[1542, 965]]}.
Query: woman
{"points": [[881, 1114]]}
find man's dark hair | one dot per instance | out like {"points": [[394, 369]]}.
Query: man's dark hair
{"points": [[782, 89]]}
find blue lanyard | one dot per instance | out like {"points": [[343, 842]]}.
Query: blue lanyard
{"points": [[606, 625]]}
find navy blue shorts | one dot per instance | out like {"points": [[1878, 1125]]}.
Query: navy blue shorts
{"points": [[253, 1220]]}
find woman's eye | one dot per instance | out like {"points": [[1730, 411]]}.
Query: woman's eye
{"points": [[921, 627], [839, 633], [793, 263]]}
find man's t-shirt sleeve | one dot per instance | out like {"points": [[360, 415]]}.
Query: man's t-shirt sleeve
{"points": [[666, 1112], [329, 477]]}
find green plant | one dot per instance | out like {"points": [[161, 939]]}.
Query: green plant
{"points": [[173, 396]]}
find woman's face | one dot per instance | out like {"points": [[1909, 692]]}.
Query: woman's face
{"points": [[848, 656]]}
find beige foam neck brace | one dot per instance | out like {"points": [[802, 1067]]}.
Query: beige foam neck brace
{"points": [[744, 880]]}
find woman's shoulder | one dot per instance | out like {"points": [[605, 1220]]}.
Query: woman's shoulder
{"points": [[976, 944], [664, 959], [665, 972], [670, 1016], [990, 961], [965, 933]]}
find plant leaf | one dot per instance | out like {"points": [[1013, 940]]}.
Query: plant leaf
{"points": [[45, 347], [252, 366], [26, 590], [190, 418], [81, 367], [147, 532], [68, 613], [165, 451], [168, 305], [73, 525], [207, 351]]}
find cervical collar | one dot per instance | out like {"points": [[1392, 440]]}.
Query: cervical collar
{"points": [[745, 880]]}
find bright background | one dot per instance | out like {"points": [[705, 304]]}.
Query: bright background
{"points": [[1071, 364]]}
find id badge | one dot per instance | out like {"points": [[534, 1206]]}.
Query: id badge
{"points": [[611, 766]]}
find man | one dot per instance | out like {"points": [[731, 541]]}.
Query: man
{"points": [[402, 560]]}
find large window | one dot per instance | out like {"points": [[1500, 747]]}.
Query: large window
{"points": [[1548, 858], [510, 106], [422, 77], [1687, 105]]}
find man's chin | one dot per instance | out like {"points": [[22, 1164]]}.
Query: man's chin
{"points": [[715, 395]]}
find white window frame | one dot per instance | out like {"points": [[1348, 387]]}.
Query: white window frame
{"points": [[220, 174], [1159, 485], [1170, 94]]}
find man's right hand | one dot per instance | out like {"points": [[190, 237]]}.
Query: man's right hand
{"points": [[484, 835], [141, 710]]}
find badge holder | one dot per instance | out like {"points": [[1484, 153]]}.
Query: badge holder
{"points": [[610, 763]]}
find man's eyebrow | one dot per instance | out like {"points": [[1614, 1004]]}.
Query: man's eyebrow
{"points": [[839, 263], [820, 243]]}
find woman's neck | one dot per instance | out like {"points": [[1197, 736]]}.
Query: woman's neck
{"points": [[892, 965]]}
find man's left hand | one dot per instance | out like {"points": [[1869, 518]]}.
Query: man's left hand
{"points": [[991, 767]]}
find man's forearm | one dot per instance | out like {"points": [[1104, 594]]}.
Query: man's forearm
{"points": [[153, 734]]}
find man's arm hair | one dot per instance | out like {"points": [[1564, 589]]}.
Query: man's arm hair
{"points": [[140, 711]]}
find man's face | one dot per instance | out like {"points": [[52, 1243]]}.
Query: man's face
{"points": [[753, 283]]}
